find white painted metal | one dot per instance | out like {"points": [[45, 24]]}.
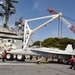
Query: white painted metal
{"points": [[65, 22], [28, 32]]}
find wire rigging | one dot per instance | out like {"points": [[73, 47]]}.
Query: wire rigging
{"points": [[69, 18]]}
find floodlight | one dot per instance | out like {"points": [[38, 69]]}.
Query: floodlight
{"points": [[1, 13], [1, 3], [15, 1]]}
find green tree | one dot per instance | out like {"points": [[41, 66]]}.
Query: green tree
{"points": [[56, 42], [36, 43]]}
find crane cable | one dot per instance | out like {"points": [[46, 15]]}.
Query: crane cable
{"points": [[59, 28], [69, 18]]}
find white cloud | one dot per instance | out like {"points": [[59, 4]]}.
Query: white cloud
{"points": [[37, 4]]}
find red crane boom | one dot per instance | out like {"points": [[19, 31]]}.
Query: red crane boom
{"points": [[70, 26]]}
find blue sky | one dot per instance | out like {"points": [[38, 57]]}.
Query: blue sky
{"points": [[38, 8]]}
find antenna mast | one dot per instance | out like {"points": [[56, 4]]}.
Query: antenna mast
{"points": [[9, 9]]}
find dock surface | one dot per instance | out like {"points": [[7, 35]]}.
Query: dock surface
{"points": [[32, 68]]}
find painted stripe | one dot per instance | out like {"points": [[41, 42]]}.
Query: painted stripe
{"points": [[18, 64]]}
